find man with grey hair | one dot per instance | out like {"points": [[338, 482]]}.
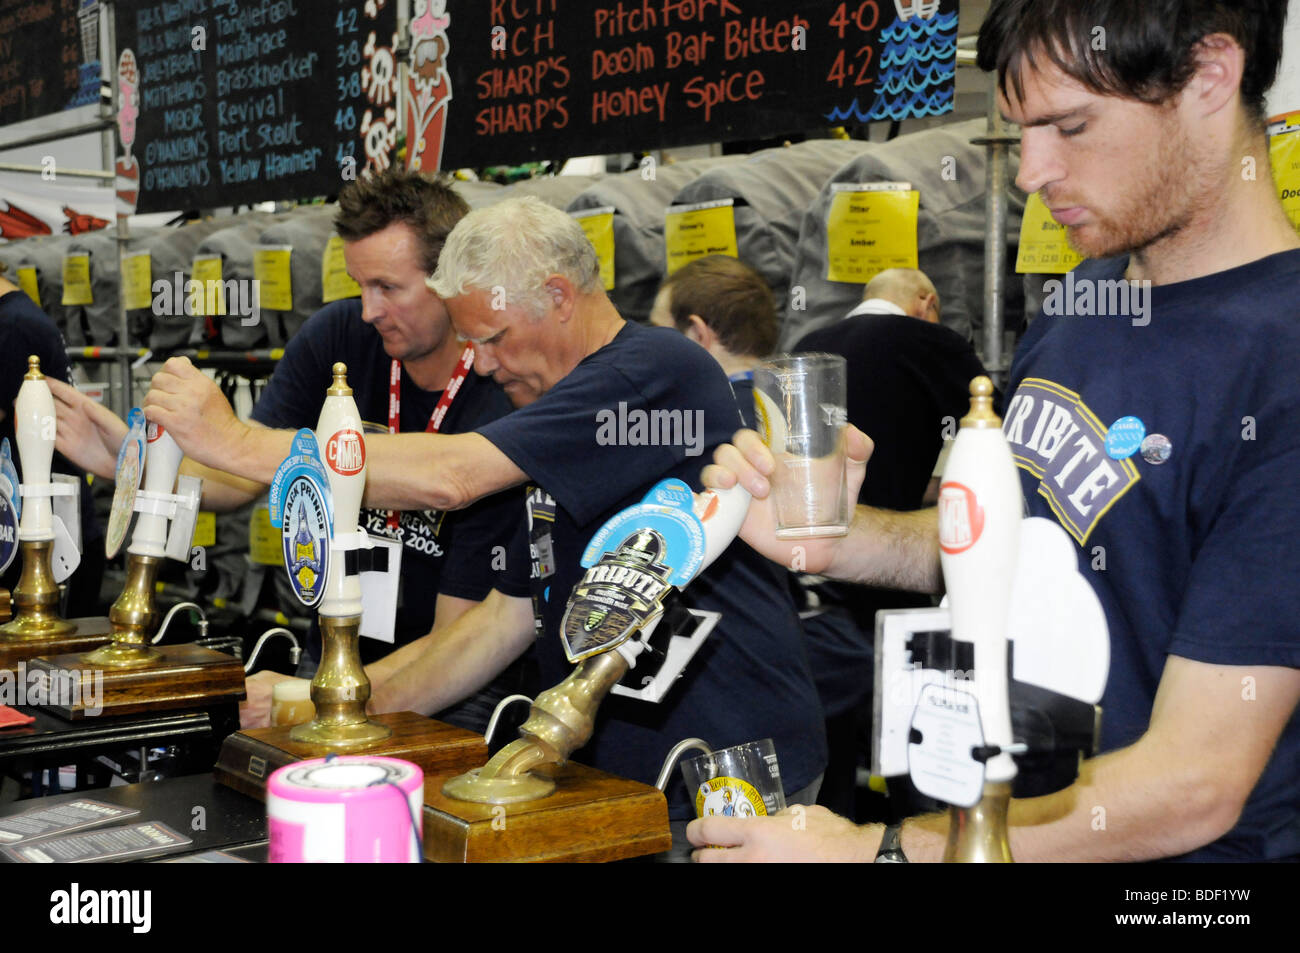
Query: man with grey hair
{"points": [[521, 282]]}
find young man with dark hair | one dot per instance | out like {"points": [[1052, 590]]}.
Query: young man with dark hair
{"points": [[402, 354], [1142, 131]]}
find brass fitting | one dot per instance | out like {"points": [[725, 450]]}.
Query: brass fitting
{"points": [[36, 598], [560, 722], [978, 835], [134, 616], [340, 691]]}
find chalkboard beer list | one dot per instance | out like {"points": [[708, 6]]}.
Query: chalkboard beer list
{"points": [[555, 78], [44, 66], [248, 100]]}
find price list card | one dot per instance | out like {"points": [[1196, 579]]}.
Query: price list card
{"points": [[240, 101], [552, 78]]}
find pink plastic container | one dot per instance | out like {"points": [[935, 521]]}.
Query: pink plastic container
{"points": [[348, 809]]}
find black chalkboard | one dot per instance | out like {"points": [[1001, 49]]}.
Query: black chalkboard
{"points": [[555, 78], [243, 101], [45, 67]]}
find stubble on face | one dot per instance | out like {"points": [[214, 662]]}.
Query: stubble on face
{"points": [[1166, 190]]}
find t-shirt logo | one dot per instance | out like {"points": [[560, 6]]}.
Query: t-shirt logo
{"points": [[1055, 437]]}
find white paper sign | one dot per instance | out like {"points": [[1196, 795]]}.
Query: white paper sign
{"points": [[379, 594], [942, 766]]}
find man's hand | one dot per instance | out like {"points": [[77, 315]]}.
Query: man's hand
{"points": [[190, 405], [89, 434], [255, 710], [750, 462], [797, 834]]}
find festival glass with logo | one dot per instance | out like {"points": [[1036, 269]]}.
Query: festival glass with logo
{"points": [[800, 403], [741, 781]]}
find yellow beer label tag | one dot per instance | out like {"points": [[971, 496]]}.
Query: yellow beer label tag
{"points": [[27, 282], [1044, 249], [598, 223], [209, 298], [335, 282], [76, 279], [264, 539], [205, 529], [1284, 156], [693, 231], [730, 797], [271, 271], [137, 280], [870, 227]]}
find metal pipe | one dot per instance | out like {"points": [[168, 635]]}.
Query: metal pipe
{"points": [[108, 46], [995, 241], [295, 653], [40, 170], [497, 712], [98, 125], [670, 762]]}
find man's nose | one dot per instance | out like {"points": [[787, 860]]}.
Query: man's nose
{"points": [[371, 305], [1039, 164], [485, 361]]}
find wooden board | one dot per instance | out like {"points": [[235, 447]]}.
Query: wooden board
{"points": [[90, 634], [591, 816], [248, 757], [187, 676]]}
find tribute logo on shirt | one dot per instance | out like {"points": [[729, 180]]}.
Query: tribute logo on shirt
{"points": [[1055, 437]]}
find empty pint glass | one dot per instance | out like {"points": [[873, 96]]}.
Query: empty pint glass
{"points": [[800, 402]]}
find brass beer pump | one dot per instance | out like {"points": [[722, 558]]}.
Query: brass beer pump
{"points": [[560, 722], [36, 597], [341, 687], [980, 509]]}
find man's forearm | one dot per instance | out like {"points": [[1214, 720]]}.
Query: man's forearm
{"points": [[451, 662], [435, 471], [254, 454], [1120, 809], [890, 549], [222, 491]]}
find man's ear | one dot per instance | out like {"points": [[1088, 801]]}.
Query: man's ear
{"points": [[563, 296], [1220, 62], [699, 332]]}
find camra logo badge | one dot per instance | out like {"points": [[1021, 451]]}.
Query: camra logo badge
{"points": [[345, 452], [961, 518], [305, 537]]}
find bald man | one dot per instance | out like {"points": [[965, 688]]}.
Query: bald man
{"points": [[900, 291]]}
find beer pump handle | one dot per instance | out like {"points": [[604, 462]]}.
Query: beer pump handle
{"points": [[161, 463], [34, 430], [339, 436], [980, 510]]}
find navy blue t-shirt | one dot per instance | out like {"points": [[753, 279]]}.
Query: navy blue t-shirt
{"points": [[477, 536], [750, 680], [1199, 551]]}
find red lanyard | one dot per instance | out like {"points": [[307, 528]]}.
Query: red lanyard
{"points": [[439, 412]]}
